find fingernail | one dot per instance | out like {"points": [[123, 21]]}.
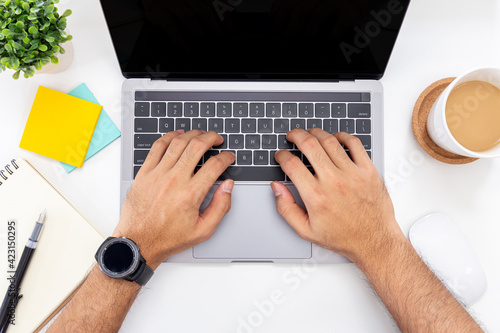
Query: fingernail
{"points": [[227, 186], [180, 131], [275, 189]]}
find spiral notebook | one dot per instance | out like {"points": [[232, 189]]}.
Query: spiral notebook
{"points": [[65, 252]]}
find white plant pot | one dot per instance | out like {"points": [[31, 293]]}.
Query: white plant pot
{"points": [[65, 60]]}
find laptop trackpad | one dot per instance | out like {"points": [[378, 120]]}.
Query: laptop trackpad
{"points": [[253, 229]]}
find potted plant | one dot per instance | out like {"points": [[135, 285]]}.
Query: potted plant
{"points": [[31, 34]]}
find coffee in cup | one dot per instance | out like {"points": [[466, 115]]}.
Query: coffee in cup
{"points": [[473, 115], [465, 119]]}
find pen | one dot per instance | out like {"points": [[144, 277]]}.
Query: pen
{"points": [[12, 296]]}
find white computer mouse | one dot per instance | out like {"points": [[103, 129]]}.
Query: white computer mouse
{"points": [[444, 248]]}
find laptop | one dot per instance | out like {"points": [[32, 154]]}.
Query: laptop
{"points": [[252, 70]]}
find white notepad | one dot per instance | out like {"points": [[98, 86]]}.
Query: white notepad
{"points": [[65, 252]]}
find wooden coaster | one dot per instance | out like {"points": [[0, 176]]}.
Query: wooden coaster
{"points": [[419, 124]]}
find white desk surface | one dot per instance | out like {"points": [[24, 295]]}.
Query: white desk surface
{"points": [[438, 39]]}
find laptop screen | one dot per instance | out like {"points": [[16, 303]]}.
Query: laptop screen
{"points": [[254, 39]]}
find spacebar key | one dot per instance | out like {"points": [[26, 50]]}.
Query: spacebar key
{"points": [[253, 174]]}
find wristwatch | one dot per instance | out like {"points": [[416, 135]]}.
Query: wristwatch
{"points": [[120, 258]]}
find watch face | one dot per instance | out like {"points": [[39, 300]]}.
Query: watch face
{"points": [[119, 257]]}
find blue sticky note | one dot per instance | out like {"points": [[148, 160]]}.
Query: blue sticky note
{"points": [[105, 131]]}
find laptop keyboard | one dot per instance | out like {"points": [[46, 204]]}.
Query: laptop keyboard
{"points": [[253, 125]]}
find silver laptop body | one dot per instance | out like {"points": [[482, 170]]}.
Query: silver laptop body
{"points": [[252, 231]]}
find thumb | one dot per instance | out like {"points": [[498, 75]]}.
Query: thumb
{"points": [[288, 208], [218, 207]]}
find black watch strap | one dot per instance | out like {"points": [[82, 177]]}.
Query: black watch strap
{"points": [[143, 274]]}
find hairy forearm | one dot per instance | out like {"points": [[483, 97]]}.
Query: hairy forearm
{"points": [[414, 296], [100, 305]]}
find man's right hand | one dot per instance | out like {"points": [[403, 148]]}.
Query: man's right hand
{"points": [[348, 208]]}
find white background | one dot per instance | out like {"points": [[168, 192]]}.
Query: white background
{"points": [[438, 39]]}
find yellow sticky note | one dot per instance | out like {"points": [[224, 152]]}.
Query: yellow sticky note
{"points": [[60, 126]]}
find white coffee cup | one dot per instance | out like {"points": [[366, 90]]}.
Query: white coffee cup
{"points": [[437, 126]]}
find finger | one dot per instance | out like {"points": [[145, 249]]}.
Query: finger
{"points": [[356, 149], [158, 150], [175, 149], [288, 208], [310, 146], [333, 148], [196, 148], [218, 208], [210, 172], [295, 169]]}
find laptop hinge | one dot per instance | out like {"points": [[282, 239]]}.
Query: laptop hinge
{"points": [[246, 80]]}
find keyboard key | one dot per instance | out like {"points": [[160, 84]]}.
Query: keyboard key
{"points": [[140, 156], [338, 110], [236, 141], [283, 143], [174, 109], [207, 110], [216, 125], [306, 110], [158, 109], [234, 152], [244, 173], [359, 110], [289, 110], [244, 157], [363, 126], [191, 109], [256, 109], [146, 125], [296, 153], [271, 157], [224, 144], [209, 154], [366, 140], [240, 109], [298, 123], [200, 124], [269, 141], [322, 110], [313, 123], [136, 170], [141, 109], [369, 154], [166, 125], [265, 125], [145, 141], [183, 124], [347, 125], [232, 125], [331, 125], [224, 110], [281, 126], [273, 110], [261, 157], [249, 126], [252, 141]]}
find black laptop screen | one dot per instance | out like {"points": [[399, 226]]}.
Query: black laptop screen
{"points": [[254, 39]]}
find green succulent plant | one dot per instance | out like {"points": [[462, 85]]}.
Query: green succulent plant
{"points": [[31, 32]]}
